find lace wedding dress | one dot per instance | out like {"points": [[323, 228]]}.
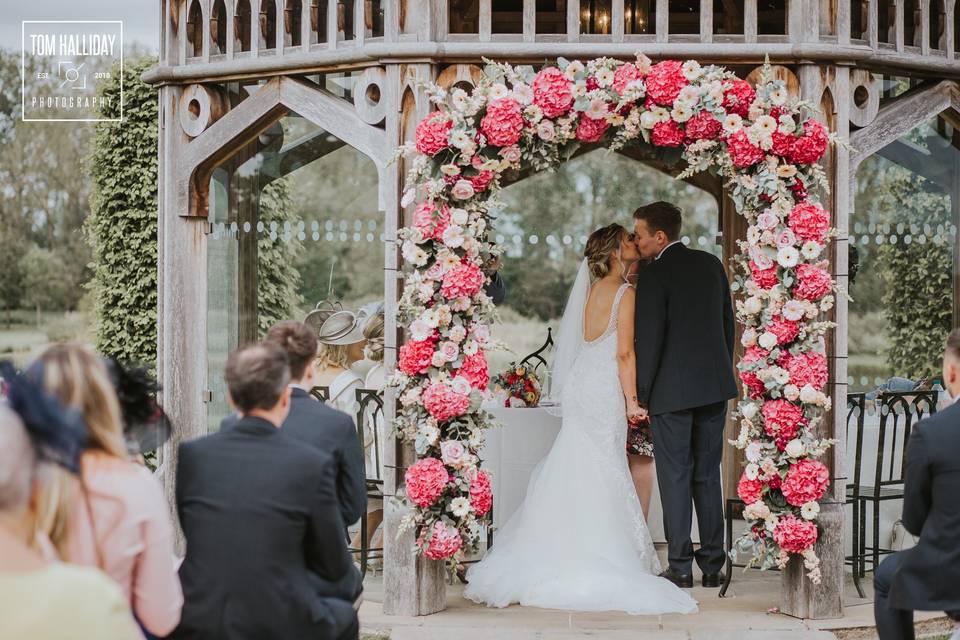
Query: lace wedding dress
{"points": [[579, 540]]}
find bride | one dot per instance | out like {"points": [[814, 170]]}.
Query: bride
{"points": [[579, 540]]}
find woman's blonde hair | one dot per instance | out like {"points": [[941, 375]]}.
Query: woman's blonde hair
{"points": [[601, 245], [373, 334], [79, 378], [332, 355]]}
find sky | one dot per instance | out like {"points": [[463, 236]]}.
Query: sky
{"points": [[141, 18]]}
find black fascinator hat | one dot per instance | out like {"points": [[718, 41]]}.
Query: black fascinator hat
{"points": [[145, 425]]}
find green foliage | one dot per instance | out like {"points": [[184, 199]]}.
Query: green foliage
{"points": [[277, 279], [42, 281], [918, 277], [122, 225]]}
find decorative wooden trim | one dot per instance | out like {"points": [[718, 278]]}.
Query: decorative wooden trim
{"points": [[750, 21], [616, 21], [573, 20], [530, 20], [485, 20], [663, 20], [706, 20]]}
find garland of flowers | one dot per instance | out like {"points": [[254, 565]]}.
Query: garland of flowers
{"points": [[767, 152]]}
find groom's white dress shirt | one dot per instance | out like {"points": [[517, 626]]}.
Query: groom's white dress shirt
{"points": [[665, 248]]}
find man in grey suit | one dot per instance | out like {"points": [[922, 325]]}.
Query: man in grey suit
{"points": [[684, 348]]}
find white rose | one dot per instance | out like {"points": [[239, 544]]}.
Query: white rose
{"points": [[648, 119], [752, 451], [459, 507], [810, 510], [420, 330], [795, 448], [749, 337], [756, 511], [546, 130], [752, 471], [438, 360], [752, 305], [781, 376], [689, 95], [767, 340], [791, 392], [457, 333], [808, 394], [459, 216], [749, 410], [788, 257]]}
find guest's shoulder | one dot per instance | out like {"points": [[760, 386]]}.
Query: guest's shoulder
{"points": [[91, 603], [945, 422]]}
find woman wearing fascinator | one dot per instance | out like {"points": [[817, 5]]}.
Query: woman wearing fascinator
{"points": [[341, 345], [115, 511], [42, 598]]}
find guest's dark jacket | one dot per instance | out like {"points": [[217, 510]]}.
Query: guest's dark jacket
{"points": [[332, 432], [496, 288], [684, 332], [929, 575], [259, 513]]}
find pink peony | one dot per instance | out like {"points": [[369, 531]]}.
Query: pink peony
{"points": [[591, 129], [795, 535], [481, 493], [444, 403], [814, 282], [552, 92], [782, 419], [425, 481], [703, 126], [444, 541], [765, 278], [785, 330], [624, 75], [810, 147], [665, 81], [807, 368], [807, 480], [742, 151], [738, 98], [667, 134], [503, 122], [464, 279], [475, 370], [809, 222], [415, 357], [750, 491], [430, 220], [431, 134]]}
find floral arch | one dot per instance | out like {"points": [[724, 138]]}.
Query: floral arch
{"points": [[757, 139]]}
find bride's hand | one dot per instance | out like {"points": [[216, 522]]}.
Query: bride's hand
{"points": [[636, 415]]}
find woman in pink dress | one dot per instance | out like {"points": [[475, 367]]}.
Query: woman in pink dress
{"points": [[116, 515]]}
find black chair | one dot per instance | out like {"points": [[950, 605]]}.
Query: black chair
{"points": [[856, 410], [321, 393], [369, 412], [536, 360]]}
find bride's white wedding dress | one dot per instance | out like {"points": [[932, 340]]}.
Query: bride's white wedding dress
{"points": [[579, 540]]}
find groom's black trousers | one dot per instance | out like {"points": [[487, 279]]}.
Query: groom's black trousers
{"points": [[688, 446]]}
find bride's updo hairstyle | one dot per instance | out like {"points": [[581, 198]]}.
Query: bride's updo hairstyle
{"points": [[601, 246]]}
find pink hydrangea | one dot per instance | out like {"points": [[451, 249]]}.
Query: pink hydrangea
{"points": [[462, 280], [481, 493], [810, 147], [415, 356], [482, 180], [807, 368], [591, 129], [785, 330], [703, 126], [750, 491], [783, 143], [667, 134], [795, 535], [432, 134], [503, 122], [665, 81], [742, 151], [782, 418], [430, 220], [552, 92], [444, 541], [475, 370], [809, 222], [738, 98], [765, 278], [443, 403], [814, 282], [624, 75], [807, 481], [426, 480]]}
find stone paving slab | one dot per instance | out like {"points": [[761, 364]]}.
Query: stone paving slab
{"points": [[466, 633]]}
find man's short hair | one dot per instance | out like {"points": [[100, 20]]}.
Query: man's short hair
{"points": [[298, 340], [953, 344], [257, 376], [661, 216]]}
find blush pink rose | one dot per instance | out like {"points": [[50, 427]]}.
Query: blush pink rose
{"points": [[481, 493], [703, 126], [444, 403], [785, 330], [810, 147], [664, 81], [814, 282], [426, 480], [667, 134], [415, 357], [809, 222], [807, 368], [742, 151], [624, 75], [432, 134], [738, 98], [452, 452], [590, 129], [475, 370], [503, 122], [765, 278], [430, 220], [552, 92], [750, 491], [444, 541], [794, 535], [782, 419], [807, 481], [465, 279]]}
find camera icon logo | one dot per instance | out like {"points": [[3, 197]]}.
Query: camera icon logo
{"points": [[70, 74]]}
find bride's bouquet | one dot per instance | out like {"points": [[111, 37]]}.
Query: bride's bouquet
{"points": [[518, 385]]}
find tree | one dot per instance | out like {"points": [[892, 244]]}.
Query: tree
{"points": [[12, 250], [43, 282]]}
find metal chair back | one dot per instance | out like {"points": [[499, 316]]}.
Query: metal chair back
{"points": [[321, 393], [899, 411], [370, 412], [856, 411]]}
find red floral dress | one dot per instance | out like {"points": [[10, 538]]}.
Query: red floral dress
{"points": [[640, 440]]}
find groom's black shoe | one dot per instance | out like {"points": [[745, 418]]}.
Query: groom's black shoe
{"points": [[682, 580], [713, 579]]}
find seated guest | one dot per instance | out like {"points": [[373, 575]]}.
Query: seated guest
{"points": [[496, 288], [927, 576], [266, 556], [341, 345], [43, 599]]}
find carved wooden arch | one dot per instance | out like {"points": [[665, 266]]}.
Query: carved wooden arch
{"points": [[240, 126]]}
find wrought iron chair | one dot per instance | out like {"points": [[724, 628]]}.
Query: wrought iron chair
{"points": [[369, 412], [321, 393], [536, 360], [856, 410]]}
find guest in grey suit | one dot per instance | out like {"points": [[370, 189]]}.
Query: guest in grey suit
{"points": [[927, 576]]}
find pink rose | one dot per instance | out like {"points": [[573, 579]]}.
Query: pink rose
{"points": [[431, 134], [481, 493], [767, 220], [480, 333], [415, 357], [703, 126], [624, 75], [665, 81], [814, 282], [810, 147], [482, 180], [782, 419], [742, 151], [464, 279], [807, 368], [503, 122], [450, 351], [795, 535], [738, 98], [452, 452], [444, 403], [552, 92], [426, 480], [591, 130], [809, 222], [430, 220], [475, 370], [546, 130], [667, 134], [807, 481], [786, 238], [765, 278], [750, 491], [785, 330], [462, 190], [511, 154], [444, 541]]}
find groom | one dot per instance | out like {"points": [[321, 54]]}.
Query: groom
{"points": [[684, 346]]}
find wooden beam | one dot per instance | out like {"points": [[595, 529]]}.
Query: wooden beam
{"points": [[530, 20], [663, 20], [937, 168], [573, 20], [750, 20], [706, 20], [486, 20]]}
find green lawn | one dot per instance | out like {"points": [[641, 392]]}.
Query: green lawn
{"points": [[21, 340]]}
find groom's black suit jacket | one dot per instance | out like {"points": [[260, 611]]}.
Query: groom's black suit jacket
{"points": [[684, 332]]}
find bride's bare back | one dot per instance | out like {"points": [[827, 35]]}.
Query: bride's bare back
{"points": [[596, 315]]}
